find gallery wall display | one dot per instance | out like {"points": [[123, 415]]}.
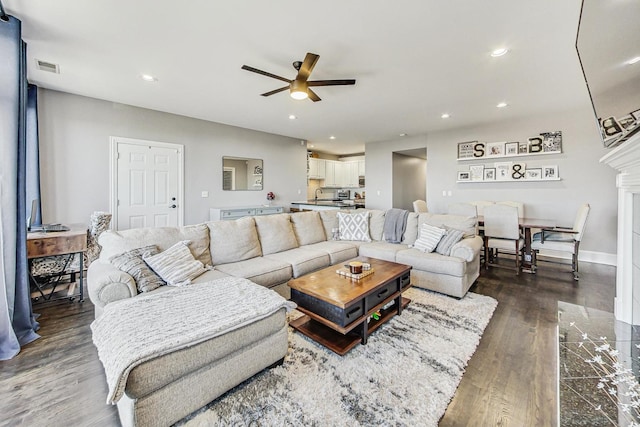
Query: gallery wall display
{"points": [[545, 143]]}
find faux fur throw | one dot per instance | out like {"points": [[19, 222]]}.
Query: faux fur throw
{"points": [[133, 331]]}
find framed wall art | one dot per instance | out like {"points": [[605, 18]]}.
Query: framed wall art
{"points": [[464, 176], [495, 149], [532, 174], [476, 172], [489, 174]]}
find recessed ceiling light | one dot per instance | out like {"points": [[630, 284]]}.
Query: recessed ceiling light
{"points": [[311, 146], [332, 137], [292, 117], [633, 60], [499, 52], [445, 116], [403, 134], [148, 78], [502, 105]]}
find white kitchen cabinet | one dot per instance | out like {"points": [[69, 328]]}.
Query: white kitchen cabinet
{"points": [[330, 174], [316, 168], [360, 167]]}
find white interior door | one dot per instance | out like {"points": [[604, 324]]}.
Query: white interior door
{"points": [[147, 181]]}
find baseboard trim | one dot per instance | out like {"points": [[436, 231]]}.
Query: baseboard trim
{"points": [[586, 256]]}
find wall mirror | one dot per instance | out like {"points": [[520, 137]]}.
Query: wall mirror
{"points": [[608, 44], [240, 173]]}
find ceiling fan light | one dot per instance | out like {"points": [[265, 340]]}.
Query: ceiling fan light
{"points": [[299, 90]]}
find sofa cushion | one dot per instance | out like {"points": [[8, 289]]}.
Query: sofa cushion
{"points": [[308, 227], [176, 265], [381, 250], [428, 238], [116, 242], [450, 238], [276, 233], [329, 220], [411, 231], [263, 271], [376, 223], [338, 251], [468, 224], [131, 262], [234, 240], [432, 262], [302, 260], [354, 226]]}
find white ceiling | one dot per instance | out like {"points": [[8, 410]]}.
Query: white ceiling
{"points": [[413, 60]]}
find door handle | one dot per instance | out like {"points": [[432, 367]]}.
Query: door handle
{"points": [[173, 206]]}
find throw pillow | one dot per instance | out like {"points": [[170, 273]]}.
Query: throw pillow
{"points": [[429, 238], [354, 226], [176, 265], [451, 237], [131, 262]]}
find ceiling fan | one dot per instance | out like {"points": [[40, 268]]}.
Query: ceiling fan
{"points": [[300, 87]]}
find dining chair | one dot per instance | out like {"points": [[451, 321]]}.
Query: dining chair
{"points": [[502, 232], [518, 205], [420, 206], [466, 209], [562, 239], [481, 204]]}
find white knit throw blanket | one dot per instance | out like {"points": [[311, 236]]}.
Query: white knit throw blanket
{"points": [[135, 330]]}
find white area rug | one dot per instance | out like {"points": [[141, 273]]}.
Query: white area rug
{"points": [[406, 375]]}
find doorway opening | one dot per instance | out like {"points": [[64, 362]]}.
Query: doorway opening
{"points": [[409, 177]]}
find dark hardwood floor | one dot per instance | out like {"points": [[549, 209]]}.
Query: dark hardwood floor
{"points": [[510, 381]]}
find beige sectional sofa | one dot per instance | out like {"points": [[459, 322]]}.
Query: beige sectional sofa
{"points": [[267, 250], [270, 250]]}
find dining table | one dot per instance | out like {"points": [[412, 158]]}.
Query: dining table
{"points": [[526, 225]]}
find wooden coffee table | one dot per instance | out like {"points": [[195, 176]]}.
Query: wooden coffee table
{"points": [[338, 310]]}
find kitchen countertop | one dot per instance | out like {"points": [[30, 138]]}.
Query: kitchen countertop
{"points": [[334, 203]]}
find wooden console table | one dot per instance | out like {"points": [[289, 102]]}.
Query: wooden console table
{"points": [[59, 243]]}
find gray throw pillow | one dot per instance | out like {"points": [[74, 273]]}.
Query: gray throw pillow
{"points": [[176, 265], [450, 238], [131, 262]]}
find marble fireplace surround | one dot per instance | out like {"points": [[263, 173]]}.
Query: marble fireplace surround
{"points": [[626, 160]]}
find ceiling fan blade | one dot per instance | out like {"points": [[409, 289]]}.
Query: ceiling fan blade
{"points": [[275, 91], [307, 66], [331, 82], [264, 73], [313, 96]]}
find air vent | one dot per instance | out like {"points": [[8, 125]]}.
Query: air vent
{"points": [[47, 66]]}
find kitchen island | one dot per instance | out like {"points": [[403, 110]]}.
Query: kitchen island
{"points": [[323, 205]]}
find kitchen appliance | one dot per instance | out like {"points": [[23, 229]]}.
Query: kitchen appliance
{"points": [[361, 181], [344, 194]]}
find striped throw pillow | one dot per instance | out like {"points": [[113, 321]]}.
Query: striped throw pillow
{"points": [[450, 238], [429, 238], [131, 262], [176, 265]]}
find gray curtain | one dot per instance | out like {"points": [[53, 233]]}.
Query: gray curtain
{"points": [[17, 323]]}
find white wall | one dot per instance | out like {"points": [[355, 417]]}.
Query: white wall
{"points": [[584, 179], [74, 156]]}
